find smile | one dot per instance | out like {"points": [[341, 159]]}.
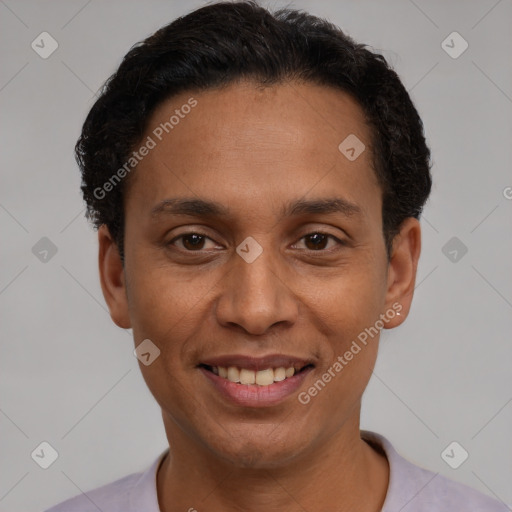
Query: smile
{"points": [[250, 377], [256, 382]]}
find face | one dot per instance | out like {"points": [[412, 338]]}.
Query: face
{"points": [[253, 242]]}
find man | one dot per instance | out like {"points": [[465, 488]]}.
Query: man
{"points": [[256, 180]]}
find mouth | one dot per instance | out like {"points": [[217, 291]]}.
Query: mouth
{"points": [[256, 382], [248, 376]]}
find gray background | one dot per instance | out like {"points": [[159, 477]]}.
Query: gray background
{"points": [[68, 375]]}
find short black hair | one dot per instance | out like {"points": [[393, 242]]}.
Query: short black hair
{"points": [[220, 43]]}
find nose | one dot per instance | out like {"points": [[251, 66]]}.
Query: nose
{"points": [[256, 296]]}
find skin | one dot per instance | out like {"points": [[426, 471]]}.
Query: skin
{"points": [[255, 149]]}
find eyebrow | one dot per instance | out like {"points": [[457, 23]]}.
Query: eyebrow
{"points": [[201, 208]]}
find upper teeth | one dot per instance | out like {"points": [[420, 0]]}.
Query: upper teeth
{"points": [[262, 377]]}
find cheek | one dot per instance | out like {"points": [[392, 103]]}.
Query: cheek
{"points": [[349, 309], [164, 310], [350, 300], [164, 301]]}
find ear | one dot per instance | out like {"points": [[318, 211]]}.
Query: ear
{"points": [[112, 278], [402, 270]]}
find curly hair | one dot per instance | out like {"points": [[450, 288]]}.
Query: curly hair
{"points": [[220, 43]]}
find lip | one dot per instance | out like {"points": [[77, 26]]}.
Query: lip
{"points": [[258, 363], [252, 395]]}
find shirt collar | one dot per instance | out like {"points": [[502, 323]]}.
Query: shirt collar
{"points": [[144, 494]]}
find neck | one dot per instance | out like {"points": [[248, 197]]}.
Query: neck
{"points": [[342, 473]]}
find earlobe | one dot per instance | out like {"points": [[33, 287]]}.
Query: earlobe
{"points": [[402, 270], [112, 278]]}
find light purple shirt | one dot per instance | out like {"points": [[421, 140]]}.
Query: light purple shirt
{"points": [[411, 489]]}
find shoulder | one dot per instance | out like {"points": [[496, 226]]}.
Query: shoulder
{"points": [[412, 488], [111, 497], [136, 491]]}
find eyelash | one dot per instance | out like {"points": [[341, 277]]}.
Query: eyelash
{"points": [[328, 235]]}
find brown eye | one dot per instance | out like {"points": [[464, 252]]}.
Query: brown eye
{"points": [[190, 241], [319, 241], [193, 241]]}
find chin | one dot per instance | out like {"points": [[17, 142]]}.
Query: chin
{"points": [[258, 457], [259, 450]]}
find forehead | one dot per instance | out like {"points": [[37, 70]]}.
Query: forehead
{"points": [[266, 143]]}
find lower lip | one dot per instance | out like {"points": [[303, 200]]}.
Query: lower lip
{"points": [[252, 395]]}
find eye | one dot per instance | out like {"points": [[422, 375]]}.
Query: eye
{"points": [[195, 241], [192, 241], [318, 240]]}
